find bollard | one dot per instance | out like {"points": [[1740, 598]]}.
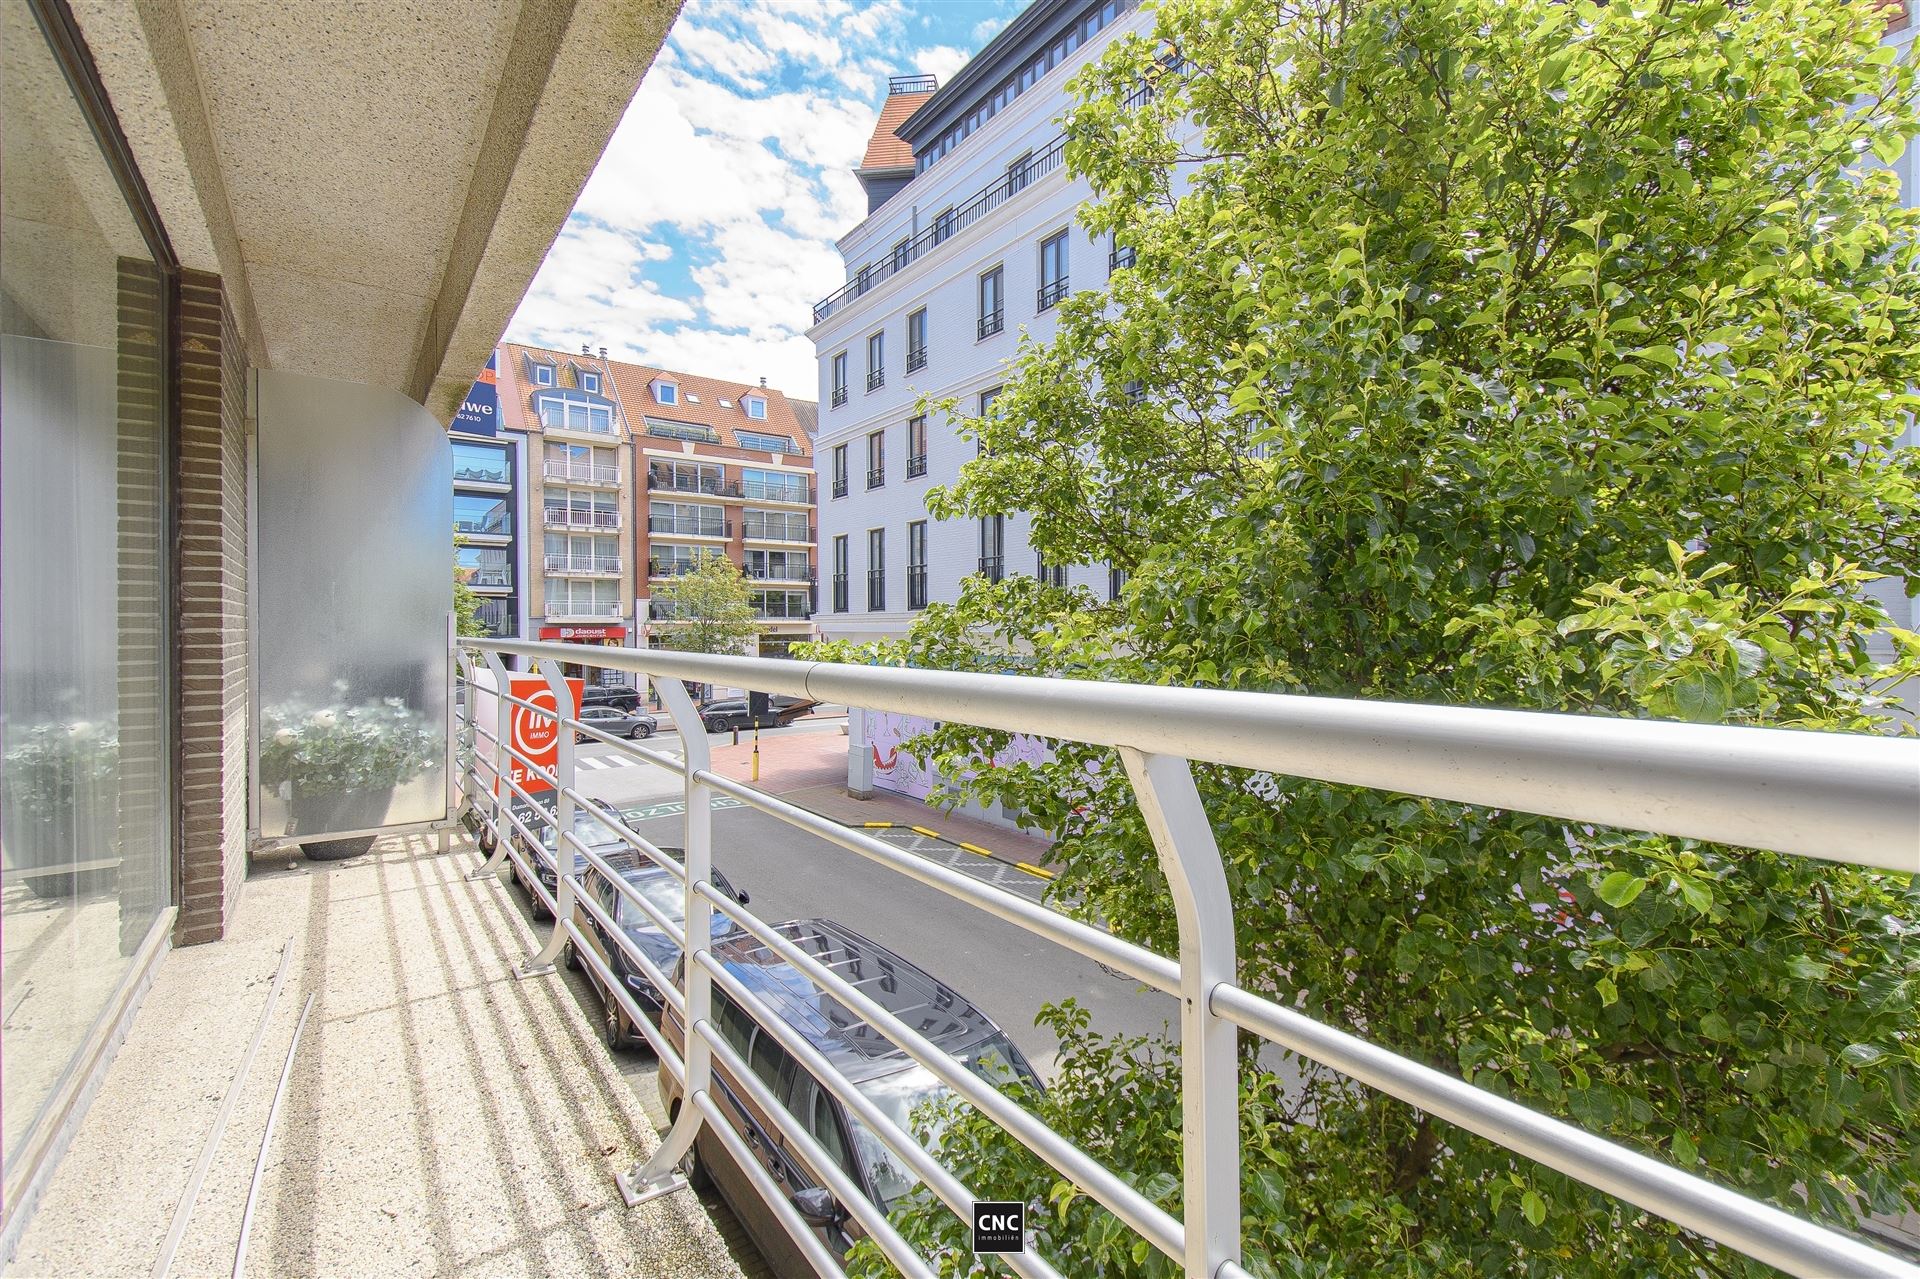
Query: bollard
{"points": [[756, 752]]}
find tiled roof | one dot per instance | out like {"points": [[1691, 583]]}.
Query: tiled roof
{"points": [[632, 389], [886, 149]]}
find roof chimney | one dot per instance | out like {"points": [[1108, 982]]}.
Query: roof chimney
{"points": [[603, 352], [763, 381], [586, 348]]}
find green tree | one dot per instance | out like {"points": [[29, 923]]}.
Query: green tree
{"points": [[466, 605], [1484, 352], [708, 609]]}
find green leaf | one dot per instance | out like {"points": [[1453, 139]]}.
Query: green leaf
{"points": [[1619, 889], [1533, 1207], [1715, 1027], [1609, 992], [1685, 1153], [1807, 968], [1861, 1054], [1696, 894]]}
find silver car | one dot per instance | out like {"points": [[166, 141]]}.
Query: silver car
{"points": [[616, 723]]}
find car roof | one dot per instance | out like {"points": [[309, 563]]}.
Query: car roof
{"points": [[907, 991]]}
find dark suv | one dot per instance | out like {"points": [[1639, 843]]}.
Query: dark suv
{"points": [[590, 830], [893, 1081], [666, 893], [727, 713], [622, 697]]}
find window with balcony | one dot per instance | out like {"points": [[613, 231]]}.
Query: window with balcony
{"points": [[775, 526], [580, 508], [839, 379], [917, 341], [1018, 171], [485, 567], [876, 360], [576, 555], [781, 605], [916, 446], [480, 463], [1053, 271], [917, 564], [1049, 574], [1116, 582], [573, 411], [992, 303], [581, 463], [1118, 255], [582, 597], [993, 545], [667, 428], [773, 486], [840, 573], [902, 252], [876, 570], [1134, 390], [480, 515], [876, 458], [943, 224], [779, 566], [839, 470], [687, 477], [670, 559], [687, 519], [764, 442]]}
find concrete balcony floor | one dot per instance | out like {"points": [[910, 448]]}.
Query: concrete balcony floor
{"points": [[440, 1117]]}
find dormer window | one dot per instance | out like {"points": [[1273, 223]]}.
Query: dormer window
{"points": [[756, 408], [590, 383], [666, 393], [543, 375]]}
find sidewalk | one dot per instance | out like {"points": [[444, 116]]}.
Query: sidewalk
{"points": [[810, 769]]}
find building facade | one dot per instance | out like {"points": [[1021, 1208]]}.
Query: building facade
{"points": [[488, 516], [970, 241]]}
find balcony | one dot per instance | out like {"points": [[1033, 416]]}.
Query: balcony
{"points": [[876, 476], [876, 590], [583, 565], [668, 429], [839, 592], [992, 567], [584, 610], [485, 579], [495, 475], [484, 528], [839, 396], [780, 573], [839, 486], [1119, 258], [759, 531], [916, 586], [790, 608], [795, 493], [582, 473], [1049, 295], [992, 322], [666, 526], [555, 517], [916, 358], [665, 481], [876, 380], [916, 465]]}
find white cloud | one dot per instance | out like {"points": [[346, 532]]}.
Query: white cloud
{"points": [[987, 28], [941, 60]]}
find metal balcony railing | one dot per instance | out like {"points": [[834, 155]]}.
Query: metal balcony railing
{"points": [[992, 567], [710, 485], [668, 526], [672, 568], [839, 396], [775, 531], [916, 586], [583, 565], [992, 322], [799, 493], [489, 577], [916, 359], [554, 517], [916, 465], [779, 573], [839, 592], [582, 473], [876, 590], [1846, 798], [1120, 257], [876, 379], [484, 528], [583, 608], [839, 486], [794, 609], [876, 476], [1049, 295]]}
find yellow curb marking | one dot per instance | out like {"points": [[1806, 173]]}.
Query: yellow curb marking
{"points": [[975, 848], [1036, 871], [922, 830], [877, 825]]}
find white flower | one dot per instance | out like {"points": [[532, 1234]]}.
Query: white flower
{"points": [[79, 728], [284, 737], [325, 719]]}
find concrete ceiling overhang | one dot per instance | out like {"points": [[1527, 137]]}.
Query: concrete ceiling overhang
{"points": [[376, 180]]}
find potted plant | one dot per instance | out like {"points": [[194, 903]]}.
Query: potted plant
{"points": [[339, 764], [62, 803]]}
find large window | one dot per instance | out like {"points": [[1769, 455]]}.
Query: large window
{"points": [[670, 559], [687, 519], [86, 721], [916, 446], [583, 554], [839, 470], [992, 303], [993, 545], [772, 486], [763, 441], [485, 567], [580, 508], [582, 597], [876, 360], [480, 463], [775, 526], [839, 379], [840, 573], [917, 564], [917, 340], [876, 570], [573, 411], [1053, 270], [482, 515], [581, 463], [876, 459], [779, 566], [685, 477]]}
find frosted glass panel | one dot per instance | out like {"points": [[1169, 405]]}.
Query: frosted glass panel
{"points": [[356, 582]]}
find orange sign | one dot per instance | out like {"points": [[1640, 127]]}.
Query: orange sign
{"points": [[536, 735]]}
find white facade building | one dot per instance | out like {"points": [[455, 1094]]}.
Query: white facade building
{"points": [[917, 316]]}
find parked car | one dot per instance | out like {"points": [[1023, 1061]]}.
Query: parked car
{"points": [[619, 723], [667, 894], [726, 713], [590, 830], [621, 697], [888, 1077]]}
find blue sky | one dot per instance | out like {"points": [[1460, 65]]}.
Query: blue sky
{"points": [[706, 231]]}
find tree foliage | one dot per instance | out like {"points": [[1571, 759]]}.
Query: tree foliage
{"points": [[1487, 352], [707, 610], [466, 604]]}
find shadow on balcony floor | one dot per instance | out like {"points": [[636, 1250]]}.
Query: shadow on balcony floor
{"points": [[440, 1117]]}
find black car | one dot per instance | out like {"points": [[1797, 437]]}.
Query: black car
{"points": [[621, 697], [892, 1080], [726, 713], [665, 893], [591, 831]]}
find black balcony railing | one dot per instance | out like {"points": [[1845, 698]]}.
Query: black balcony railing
{"points": [[876, 590], [1120, 257], [712, 486], [876, 379], [945, 226], [916, 359], [839, 486], [839, 396], [876, 476], [992, 568], [1050, 294], [916, 586], [688, 528], [484, 528], [916, 465], [992, 322], [911, 84], [780, 573], [839, 592]]}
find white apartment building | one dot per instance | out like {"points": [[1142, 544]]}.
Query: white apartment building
{"points": [[970, 238]]}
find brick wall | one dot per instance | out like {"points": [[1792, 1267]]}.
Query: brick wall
{"points": [[213, 618]]}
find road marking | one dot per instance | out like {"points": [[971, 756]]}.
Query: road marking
{"points": [[672, 808], [1036, 871], [922, 830], [878, 825], [975, 848], [590, 762]]}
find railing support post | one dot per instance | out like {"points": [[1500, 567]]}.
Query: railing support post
{"points": [[502, 728], [661, 1174], [563, 852], [1209, 1062]]}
